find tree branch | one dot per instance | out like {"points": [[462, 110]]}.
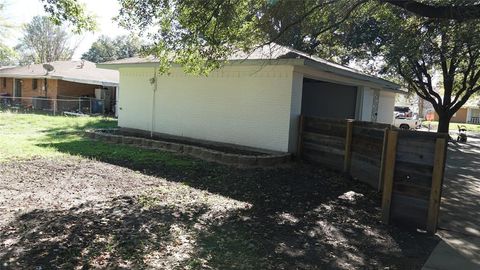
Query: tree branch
{"points": [[336, 24], [453, 12], [421, 91], [462, 101], [421, 71], [310, 12]]}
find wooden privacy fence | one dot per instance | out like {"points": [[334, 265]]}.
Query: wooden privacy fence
{"points": [[414, 169], [407, 165], [353, 147]]}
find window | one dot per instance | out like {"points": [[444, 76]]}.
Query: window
{"points": [[34, 84], [4, 82]]}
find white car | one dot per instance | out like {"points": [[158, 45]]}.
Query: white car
{"points": [[407, 122]]}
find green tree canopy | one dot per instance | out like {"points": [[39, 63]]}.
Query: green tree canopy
{"points": [[108, 49], [70, 11], [60, 11], [197, 33], [437, 59], [7, 54], [407, 40]]}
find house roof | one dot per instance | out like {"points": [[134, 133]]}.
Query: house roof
{"points": [[74, 71], [278, 54]]}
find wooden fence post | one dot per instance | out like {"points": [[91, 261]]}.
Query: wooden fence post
{"points": [[301, 123], [389, 173], [347, 164], [437, 180], [383, 158]]}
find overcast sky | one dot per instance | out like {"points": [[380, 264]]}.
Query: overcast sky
{"points": [[20, 12]]}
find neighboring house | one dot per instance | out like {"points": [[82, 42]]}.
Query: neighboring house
{"points": [[255, 100], [417, 105], [468, 113], [64, 80]]}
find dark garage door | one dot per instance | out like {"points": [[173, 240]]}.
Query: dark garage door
{"points": [[329, 100]]}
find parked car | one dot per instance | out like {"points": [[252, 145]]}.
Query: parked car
{"points": [[407, 122], [402, 111]]}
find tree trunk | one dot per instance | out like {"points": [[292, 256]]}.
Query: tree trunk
{"points": [[421, 107], [443, 122]]}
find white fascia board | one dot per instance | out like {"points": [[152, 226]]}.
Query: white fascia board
{"points": [[118, 66], [84, 81], [359, 77], [334, 75], [77, 80], [240, 62], [17, 76]]}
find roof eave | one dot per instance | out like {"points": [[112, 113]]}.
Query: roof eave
{"points": [[56, 77], [23, 76], [384, 84], [289, 61], [120, 65], [87, 81]]}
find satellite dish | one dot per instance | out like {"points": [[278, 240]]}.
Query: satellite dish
{"points": [[48, 68]]}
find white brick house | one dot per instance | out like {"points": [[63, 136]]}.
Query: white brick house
{"points": [[254, 102]]}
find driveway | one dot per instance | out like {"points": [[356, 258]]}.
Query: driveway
{"points": [[460, 209], [459, 224]]}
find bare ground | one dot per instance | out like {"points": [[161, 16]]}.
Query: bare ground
{"points": [[77, 213]]}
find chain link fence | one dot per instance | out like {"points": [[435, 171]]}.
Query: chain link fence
{"points": [[65, 106]]}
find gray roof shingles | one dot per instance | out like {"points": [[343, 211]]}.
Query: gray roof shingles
{"points": [[272, 52], [76, 71]]}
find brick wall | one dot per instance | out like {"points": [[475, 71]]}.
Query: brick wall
{"points": [[54, 89], [52, 86], [242, 105], [29, 91], [74, 89], [8, 88], [27, 87], [459, 117]]}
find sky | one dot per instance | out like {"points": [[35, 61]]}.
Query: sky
{"points": [[20, 12]]}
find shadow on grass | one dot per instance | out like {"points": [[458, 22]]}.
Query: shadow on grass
{"points": [[91, 123], [302, 217]]}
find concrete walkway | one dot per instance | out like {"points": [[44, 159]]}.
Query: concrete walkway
{"points": [[459, 224]]}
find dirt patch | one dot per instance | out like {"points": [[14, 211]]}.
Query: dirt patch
{"points": [[75, 213]]}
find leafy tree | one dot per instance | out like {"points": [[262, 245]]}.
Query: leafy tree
{"points": [[7, 54], [412, 40], [60, 11], [437, 59], [196, 33], [108, 49], [69, 11], [44, 42]]}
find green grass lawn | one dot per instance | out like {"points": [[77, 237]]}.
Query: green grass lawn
{"points": [[120, 206], [24, 136], [453, 126]]}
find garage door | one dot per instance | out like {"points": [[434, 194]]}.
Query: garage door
{"points": [[329, 100]]}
